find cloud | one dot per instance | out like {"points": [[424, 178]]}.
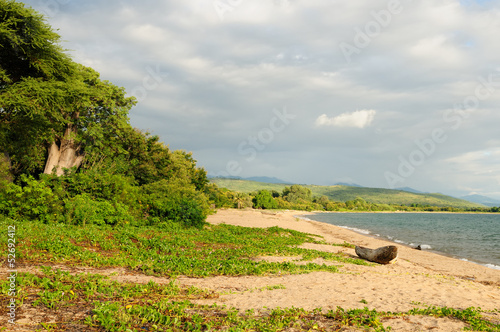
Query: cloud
{"points": [[357, 119], [220, 80]]}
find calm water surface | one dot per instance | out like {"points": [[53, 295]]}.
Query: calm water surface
{"points": [[473, 237]]}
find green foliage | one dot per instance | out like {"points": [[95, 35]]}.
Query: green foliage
{"points": [[224, 198], [357, 317], [99, 186], [139, 155], [173, 250], [83, 112], [148, 160], [48, 97], [264, 200], [300, 205], [117, 306], [358, 204], [219, 197], [30, 200], [126, 176], [102, 198], [472, 316], [29, 45], [323, 201], [373, 199], [175, 201], [297, 194], [82, 209]]}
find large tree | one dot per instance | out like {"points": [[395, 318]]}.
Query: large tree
{"points": [[52, 110]]}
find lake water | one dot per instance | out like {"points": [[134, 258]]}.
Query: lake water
{"points": [[473, 237]]}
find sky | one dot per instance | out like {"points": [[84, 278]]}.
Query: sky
{"points": [[386, 94]]}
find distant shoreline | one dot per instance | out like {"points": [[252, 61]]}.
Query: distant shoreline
{"points": [[402, 212]]}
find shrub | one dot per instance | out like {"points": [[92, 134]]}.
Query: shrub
{"points": [[242, 200], [220, 197], [282, 204], [297, 193], [177, 201], [82, 209], [30, 199], [264, 200], [98, 187]]}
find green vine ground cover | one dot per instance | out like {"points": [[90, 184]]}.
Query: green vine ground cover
{"points": [[169, 251], [107, 305], [119, 306]]}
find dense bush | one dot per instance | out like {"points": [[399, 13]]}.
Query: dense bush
{"points": [[224, 198], [297, 194], [30, 199], [82, 209], [175, 201], [102, 198], [220, 197], [264, 200]]}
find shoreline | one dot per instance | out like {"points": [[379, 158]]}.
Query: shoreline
{"points": [[418, 279], [369, 233], [401, 211], [290, 219]]}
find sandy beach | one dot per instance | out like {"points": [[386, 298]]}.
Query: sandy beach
{"points": [[418, 277], [417, 280]]}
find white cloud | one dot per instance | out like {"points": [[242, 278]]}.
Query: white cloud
{"points": [[357, 119], [440, 50], [147, 33], [479, 163]]}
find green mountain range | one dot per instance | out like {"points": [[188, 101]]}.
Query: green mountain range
{"points": [[344, 193]]}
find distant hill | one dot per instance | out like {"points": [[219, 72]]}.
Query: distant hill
{"points": [[266, 179], [348, 184], [247, 186], [263, 179], [347, 193], [411, 190], [488, 201]]}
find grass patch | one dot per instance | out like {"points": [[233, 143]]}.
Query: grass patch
{"points": [[169, 251], [472, 316], [112, 306], [91, 302]]}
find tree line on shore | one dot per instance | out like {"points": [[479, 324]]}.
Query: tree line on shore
{"points": [[297, 197]]}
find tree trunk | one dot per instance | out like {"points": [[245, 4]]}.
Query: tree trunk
{"points": [[66, 154], [5, 167]]}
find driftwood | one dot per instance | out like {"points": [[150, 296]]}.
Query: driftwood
{"points": [[382, 255]]}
